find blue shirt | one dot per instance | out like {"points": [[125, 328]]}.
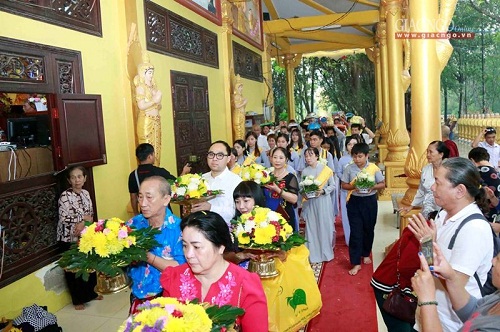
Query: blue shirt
{"points": [[146, 278]]}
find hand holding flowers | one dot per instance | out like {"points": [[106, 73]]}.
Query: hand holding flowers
{"points": [[263, 228], [257, 173], [309, 186], [364, 182], [106, 246], [191, 186]]}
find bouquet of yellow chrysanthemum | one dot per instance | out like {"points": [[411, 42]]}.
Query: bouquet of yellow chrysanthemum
{"points": [[191, 186], [257, 173], [106, 246], [168, 314], [263, 228]]}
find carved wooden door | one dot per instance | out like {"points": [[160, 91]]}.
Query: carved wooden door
{"points": [[191, 119]]}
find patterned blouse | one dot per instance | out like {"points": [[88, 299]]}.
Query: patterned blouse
{"points": [[236, 287], [72, 208]]}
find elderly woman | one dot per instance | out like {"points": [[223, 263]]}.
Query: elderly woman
{"points": [[469, 249], [436, 153], [75, 207], [209, 278]]}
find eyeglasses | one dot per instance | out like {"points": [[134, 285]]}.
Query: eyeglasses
{"points": [[217, 156]]}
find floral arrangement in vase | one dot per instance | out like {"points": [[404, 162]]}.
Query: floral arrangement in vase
{"points": [[168, 314], [364, 181], [264, 229], [308, 186], [106, 246], [191, 186], [257, 173]]}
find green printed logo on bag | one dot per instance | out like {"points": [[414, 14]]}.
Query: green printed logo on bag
{"points": [[299, 297]]}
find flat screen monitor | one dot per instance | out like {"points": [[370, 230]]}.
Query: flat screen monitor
{"points": [[22, 131]]}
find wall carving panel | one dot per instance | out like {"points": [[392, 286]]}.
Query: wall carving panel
{"points": [[247, 63], [30, 67], [29, 218], [80, 15], [170, 34]]}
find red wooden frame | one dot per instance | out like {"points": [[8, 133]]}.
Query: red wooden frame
{"points": [[257, 42], [215, 18]]}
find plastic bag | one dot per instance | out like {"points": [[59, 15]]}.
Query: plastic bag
{"points": [[293, 297]]}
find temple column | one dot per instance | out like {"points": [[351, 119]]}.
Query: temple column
{"points": [[290, 62], [226, 56], [397, 136], [374, 56], [384, 87], [267, 70], [428, 59]]}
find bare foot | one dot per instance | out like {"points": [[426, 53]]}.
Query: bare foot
{"points": [[99, 298], [80, 307], [367, 260], [355, 270]]}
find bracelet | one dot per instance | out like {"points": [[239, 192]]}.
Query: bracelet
{"points": [[154, 258], [427, 303]]}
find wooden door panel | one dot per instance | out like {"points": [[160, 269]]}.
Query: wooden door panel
{"points": [[81, 130], [191, 119]]}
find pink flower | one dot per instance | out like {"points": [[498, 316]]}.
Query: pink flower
{"points": [[122, 234]]}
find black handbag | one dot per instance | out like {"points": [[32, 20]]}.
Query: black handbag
{"points": [[399, 303]]}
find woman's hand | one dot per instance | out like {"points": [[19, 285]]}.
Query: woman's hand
{"points": [[320, 192], [419, 227], [244, 255], [281, 254], [272, 186], [78, 228], [423, 282], [405, 209], [441, 267]]}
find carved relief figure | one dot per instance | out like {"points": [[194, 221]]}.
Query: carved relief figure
{"points": [[148, 99], [239, 104]]}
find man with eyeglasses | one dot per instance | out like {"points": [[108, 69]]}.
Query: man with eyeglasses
{"points": [[489, 134], [219, 178]]}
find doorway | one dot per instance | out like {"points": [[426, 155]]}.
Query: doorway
{"points": [[191, 120]]}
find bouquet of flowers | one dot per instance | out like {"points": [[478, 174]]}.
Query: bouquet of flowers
{"points": [[168, 314], [309, 185], [191, 186], [265, 229], [257, 173], [364, 181], [106, 246]]}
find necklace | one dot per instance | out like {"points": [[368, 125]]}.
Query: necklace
{"points": [[283, 173]]}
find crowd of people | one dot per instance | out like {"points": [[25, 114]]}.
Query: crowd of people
{"points": [[198, 257]]}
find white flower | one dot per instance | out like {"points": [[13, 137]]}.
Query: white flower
{"points": [[317, 182], [192, 186], [272, 215], [371, 178], [181, 191], [249, 224], [362, 175], [245, 176], [239, 229], [263, 224], [258, 175], [323, 161], [308, 182]]}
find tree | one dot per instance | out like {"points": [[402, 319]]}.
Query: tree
{"points": [[349, 84]]}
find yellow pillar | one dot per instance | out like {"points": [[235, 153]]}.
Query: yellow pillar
{"points": [[374, 56], [226, 56], [290, 62], [267, 70], [428, 59], [397, 136], [384, 86]]}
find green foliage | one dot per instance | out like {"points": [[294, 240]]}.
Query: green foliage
{"points": [[223, 316], [83, 264], [349, 84], [463, 77]]}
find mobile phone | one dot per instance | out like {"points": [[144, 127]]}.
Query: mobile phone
{"points": [[426, 247]]}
